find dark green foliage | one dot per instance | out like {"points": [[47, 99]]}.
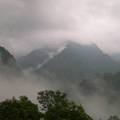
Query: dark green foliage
{"points": [[22, 109], [49, 99], [57, 107], [54, 106]]}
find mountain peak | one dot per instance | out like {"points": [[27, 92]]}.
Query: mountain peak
{"points": [[77, 60], [78, 45]]}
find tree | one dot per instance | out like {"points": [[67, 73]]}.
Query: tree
{"points": [[114, 117], [22, 109], [55, 106]]}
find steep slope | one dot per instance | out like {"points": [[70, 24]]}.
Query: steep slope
{"points": [[116, 56], [36, 58], [8, 65], [77, 61]]}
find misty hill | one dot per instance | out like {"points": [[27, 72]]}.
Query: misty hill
{"points": [[36, 58], [8, 63], [77, 61], [106, 85], [116, 56]]}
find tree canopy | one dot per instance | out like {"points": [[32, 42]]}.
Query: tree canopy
{"points": [[55, 106], [22, 109]]}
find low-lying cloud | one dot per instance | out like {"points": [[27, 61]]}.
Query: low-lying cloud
{"points": [[32, 24], [95, 105]]}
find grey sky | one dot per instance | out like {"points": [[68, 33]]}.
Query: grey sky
{"points": [[29, 24]]}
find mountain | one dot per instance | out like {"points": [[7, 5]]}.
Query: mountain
{"points": [[8, 65], [36, 58], [77, 61], [116, 56]]}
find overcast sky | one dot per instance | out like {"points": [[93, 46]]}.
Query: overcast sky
{"points": [[29, 24]]}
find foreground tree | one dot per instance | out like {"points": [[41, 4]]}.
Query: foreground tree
{"points": [[55, 106], [22, 109]]}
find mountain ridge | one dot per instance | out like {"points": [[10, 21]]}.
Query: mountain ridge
{"points": [[35, 58], [76, 61]]}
